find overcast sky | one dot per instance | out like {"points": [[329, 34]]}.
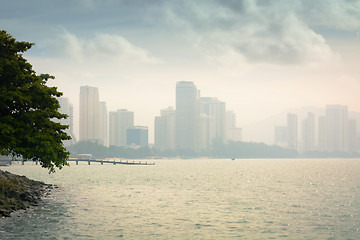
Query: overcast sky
{"points": [[260, 57]]}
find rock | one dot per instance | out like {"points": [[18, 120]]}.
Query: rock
{"points": [[19, 192], [5, 212]]}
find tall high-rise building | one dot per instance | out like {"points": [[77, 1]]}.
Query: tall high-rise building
{"points": [[233, 133], [337, 138], [186, 113], [137, 135], [89, 114], [114, 134], [292, 131], [119, 122], [103, 121], [353, 141], [211, 122], [67, 108], [165, 129], [308, 133], [322, 134], [213, 107], [206, 131]]}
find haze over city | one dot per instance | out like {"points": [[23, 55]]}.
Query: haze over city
{"points": [[260, 57]]}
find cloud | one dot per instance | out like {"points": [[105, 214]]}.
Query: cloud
{"points": [[100, 48], [288, 41], [340, 14], [259, 31]]}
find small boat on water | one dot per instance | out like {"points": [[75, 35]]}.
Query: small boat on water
{"points": [[233, 159]]}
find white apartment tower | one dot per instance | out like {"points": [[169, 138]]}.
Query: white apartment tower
{"points": [[119, 122], [337, 138], [206, 132], [165, 129], [216, 109], [353, 141], [233, 133], [103, 121], [186, 113], [67, 108], [292, 131], [322, 134], [308, 133], [89, 114]]}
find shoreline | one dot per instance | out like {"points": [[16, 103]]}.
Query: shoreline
{"points": [[19, 192]]}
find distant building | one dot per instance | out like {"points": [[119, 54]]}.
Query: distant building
{"points": [[165, 129], [67, 108], [119, 122], [233, 133], [230, 119], [322, 134], [103, 121], [337, 138], [186, 113], [89, 114], [206, 132], [353, 141], [308, 133], [292, 130], [138, 136], [213, 107]]}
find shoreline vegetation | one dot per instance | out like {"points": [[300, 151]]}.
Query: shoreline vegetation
{"points": [[19, 192], [230, 150]]}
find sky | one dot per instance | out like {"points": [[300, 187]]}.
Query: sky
{"points": [[260, 57]]}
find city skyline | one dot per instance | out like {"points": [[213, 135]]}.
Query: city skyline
{"points": [[197, 121], [261, 58]]}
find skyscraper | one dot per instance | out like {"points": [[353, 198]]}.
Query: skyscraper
{"points": [[353, 141], [233, 133], [206, 132], [103, 121], [292, 131], [213, 107], [89, 114], [165, 129], [67, 108], [119, 122], [308, 133], [337, 128], [137, 135], [322, 134], [186, 112]]}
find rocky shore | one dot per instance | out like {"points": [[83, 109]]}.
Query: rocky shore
{"points": [[19, 192]]}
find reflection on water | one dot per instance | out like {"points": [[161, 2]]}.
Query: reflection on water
{"points": [[195, 199]]}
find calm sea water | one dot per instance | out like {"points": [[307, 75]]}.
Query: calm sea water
{"points": [[195, 199]]}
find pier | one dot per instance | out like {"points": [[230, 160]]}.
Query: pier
{"points": [[6, 162], [102, 161]]}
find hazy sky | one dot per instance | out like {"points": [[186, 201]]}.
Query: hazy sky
{"points": [[260, 57]]}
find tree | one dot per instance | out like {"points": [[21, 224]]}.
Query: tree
{"points": [[27, 106]]}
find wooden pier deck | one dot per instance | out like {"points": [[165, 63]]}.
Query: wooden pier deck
{"points": [[102, 161], [5, 162]]}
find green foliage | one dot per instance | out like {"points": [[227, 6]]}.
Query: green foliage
{"points": [[100, 151], [219, 150], [27, 106], [88, 147], [250, 150]]}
